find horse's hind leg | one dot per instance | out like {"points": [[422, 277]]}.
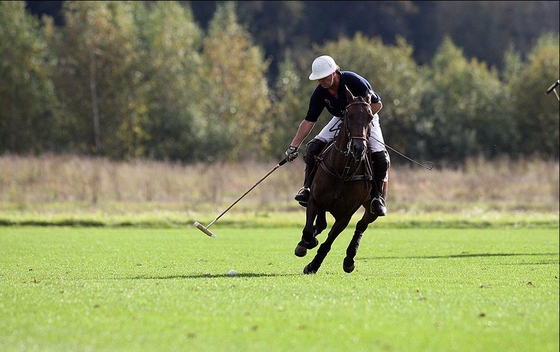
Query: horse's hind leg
{"points": [[348, 264], [338, 226], [320, 223]]}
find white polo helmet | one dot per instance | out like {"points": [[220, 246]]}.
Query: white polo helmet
{"points": [[322, 67]]}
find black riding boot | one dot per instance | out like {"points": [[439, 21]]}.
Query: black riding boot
{"points": [[303, 194], [313, 148], [379, 187], [378, 206]]}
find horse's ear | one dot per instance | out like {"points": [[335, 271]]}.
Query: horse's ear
{"points": [[349, 95], [368, 98]]}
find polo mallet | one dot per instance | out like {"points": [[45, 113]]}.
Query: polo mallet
{"points": [[553, 88], [208, 232]]}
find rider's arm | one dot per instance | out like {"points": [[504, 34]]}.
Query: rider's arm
{"points": [[303, 131]]}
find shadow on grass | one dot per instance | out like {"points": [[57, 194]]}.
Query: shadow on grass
{"points": [[209, 276], [462, 255], [260, 275]]}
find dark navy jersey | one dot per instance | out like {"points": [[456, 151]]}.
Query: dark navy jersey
{"points": [[321, 98]]}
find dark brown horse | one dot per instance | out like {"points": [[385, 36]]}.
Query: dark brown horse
{"points": [[341, 186]]}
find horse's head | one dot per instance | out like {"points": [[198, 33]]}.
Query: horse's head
{"points": [[357, 121]]}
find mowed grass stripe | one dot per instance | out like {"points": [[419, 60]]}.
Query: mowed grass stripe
{"points": [[128, 289]]}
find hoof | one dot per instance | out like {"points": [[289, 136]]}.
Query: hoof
{"points": [[302, 247], [308, 271], [300, 251], [348, 267]]}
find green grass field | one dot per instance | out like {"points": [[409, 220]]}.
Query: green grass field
{"points": [[414, 289]]}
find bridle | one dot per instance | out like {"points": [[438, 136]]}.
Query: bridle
{"points": [[348, 134]]}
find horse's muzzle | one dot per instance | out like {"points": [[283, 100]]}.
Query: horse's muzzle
{"points": [[358, 148]]}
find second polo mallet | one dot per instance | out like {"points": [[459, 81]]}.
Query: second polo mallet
{"points": [[552, 88], [205, 228]]}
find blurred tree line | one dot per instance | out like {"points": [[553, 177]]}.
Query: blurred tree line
{"points": [[145, 79]]}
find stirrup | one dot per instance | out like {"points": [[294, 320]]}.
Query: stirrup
{"points": [[302, 196], [378, 207]]}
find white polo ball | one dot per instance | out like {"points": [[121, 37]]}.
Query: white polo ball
{"points": [[232, 272]]}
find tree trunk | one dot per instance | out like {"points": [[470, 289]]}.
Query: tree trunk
{"points": [[94, 104]]}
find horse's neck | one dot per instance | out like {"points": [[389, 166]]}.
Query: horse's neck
{"points": [[341, 139], [341, 142]]}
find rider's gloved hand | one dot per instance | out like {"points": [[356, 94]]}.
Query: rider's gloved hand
{"points": [[291, 153]]}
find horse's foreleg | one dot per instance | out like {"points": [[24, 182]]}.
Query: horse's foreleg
{"points": [[348, 264], [338, 226], [308, 240]]}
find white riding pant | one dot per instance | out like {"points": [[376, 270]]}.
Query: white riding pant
{"points": [[375, 138]]}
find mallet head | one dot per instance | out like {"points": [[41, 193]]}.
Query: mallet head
{"points": [[204, 229]]}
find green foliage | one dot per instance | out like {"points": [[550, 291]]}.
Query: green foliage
{"points": [[276, 27], [26, 91], [100, 79], [464, 108], [141, 79], [288, 107], [537, 115], [235, 101], [171, 41]]}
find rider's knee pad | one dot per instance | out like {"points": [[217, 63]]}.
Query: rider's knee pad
{"points": [[312, 149], [380, 161]]}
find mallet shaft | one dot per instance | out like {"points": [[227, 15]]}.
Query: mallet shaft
{"points": [[208, 232], [247, 192]]}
